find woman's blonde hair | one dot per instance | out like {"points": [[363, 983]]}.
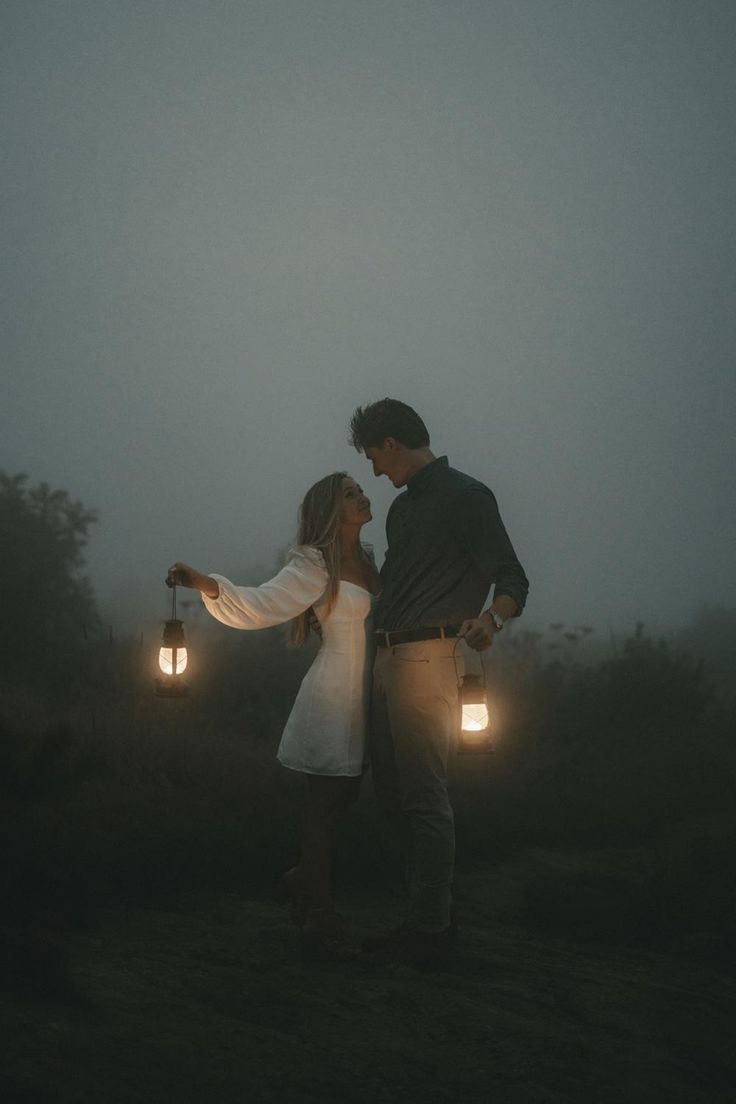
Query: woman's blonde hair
{"points": [[319, 516]]}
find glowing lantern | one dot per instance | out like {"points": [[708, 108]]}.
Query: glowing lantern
{"points": [[172, 658], [475, 725]]}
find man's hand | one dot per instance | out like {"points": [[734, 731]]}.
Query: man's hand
{"points": [[479, 632]]}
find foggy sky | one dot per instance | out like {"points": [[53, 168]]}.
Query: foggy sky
{"points": [[226, 224]]}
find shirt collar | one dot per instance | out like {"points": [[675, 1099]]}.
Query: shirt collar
{"points": [[426, 476]]}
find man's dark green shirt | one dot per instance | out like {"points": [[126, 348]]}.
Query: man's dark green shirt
{"points": [[447, 546]]}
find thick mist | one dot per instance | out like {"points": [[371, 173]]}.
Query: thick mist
{"points": [[226, 225]]}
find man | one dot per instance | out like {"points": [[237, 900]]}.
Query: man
{"points": [[446, 547]]}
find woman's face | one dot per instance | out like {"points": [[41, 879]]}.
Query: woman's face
{"points": [[355, 508]]}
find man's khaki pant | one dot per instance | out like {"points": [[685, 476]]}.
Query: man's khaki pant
{"points": [[414, 720]]}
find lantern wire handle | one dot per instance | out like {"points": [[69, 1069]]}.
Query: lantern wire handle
{"points": [[173, 603], [454, 660]]}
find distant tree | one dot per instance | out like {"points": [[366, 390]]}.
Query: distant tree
{"points": [[48, 607]]}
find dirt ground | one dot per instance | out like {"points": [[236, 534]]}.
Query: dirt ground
{"points": [[209, 999]]}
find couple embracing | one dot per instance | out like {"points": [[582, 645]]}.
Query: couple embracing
{"points": [[383, 688]]}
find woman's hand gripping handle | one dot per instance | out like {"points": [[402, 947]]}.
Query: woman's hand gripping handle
{"points": [[181, 574]]}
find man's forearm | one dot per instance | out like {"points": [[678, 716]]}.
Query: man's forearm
{"points": [[504, 605]]}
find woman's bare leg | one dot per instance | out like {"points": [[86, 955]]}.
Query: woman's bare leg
{"points": [[327, 799]]}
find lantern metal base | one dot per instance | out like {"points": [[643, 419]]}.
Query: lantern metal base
{"points": [[483, 746], [171, 687]]}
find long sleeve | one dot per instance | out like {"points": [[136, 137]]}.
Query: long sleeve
{"points": [[297, 586], [488, 543]]}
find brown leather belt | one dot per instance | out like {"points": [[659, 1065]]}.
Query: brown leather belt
{"points": [[409, 636]]}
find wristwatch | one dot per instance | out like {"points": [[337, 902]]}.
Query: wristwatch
{"points": [[497, 619]]}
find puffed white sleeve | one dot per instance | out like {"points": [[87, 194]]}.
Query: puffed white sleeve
{"points": [[299, 584]]}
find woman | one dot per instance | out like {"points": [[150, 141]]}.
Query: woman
{"points": [[328, 584]]}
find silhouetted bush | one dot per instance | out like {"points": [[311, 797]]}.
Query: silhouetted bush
{"points": [[616, 753], [48, 606], [132, 800], [711, 637]]}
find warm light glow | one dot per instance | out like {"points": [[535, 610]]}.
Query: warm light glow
{"points": [[475, 717], [166, 662]]}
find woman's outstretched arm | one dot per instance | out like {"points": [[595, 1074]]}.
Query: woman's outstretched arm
{"points": [[298, 585]]}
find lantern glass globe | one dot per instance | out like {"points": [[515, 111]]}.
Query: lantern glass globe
{"points": [[475, 717], [166, 660]]}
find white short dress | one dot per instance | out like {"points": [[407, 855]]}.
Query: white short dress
{"points": [[326, 729]]}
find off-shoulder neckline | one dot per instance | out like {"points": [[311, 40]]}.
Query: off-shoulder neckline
{"points": [[365, 589]]}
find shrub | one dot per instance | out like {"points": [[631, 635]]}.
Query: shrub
{"points": [[48, 606]]}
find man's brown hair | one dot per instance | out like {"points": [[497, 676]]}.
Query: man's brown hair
{"points": [[371, 425]]}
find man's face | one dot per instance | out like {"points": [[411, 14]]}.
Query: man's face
{"points": [[389, 459]]}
